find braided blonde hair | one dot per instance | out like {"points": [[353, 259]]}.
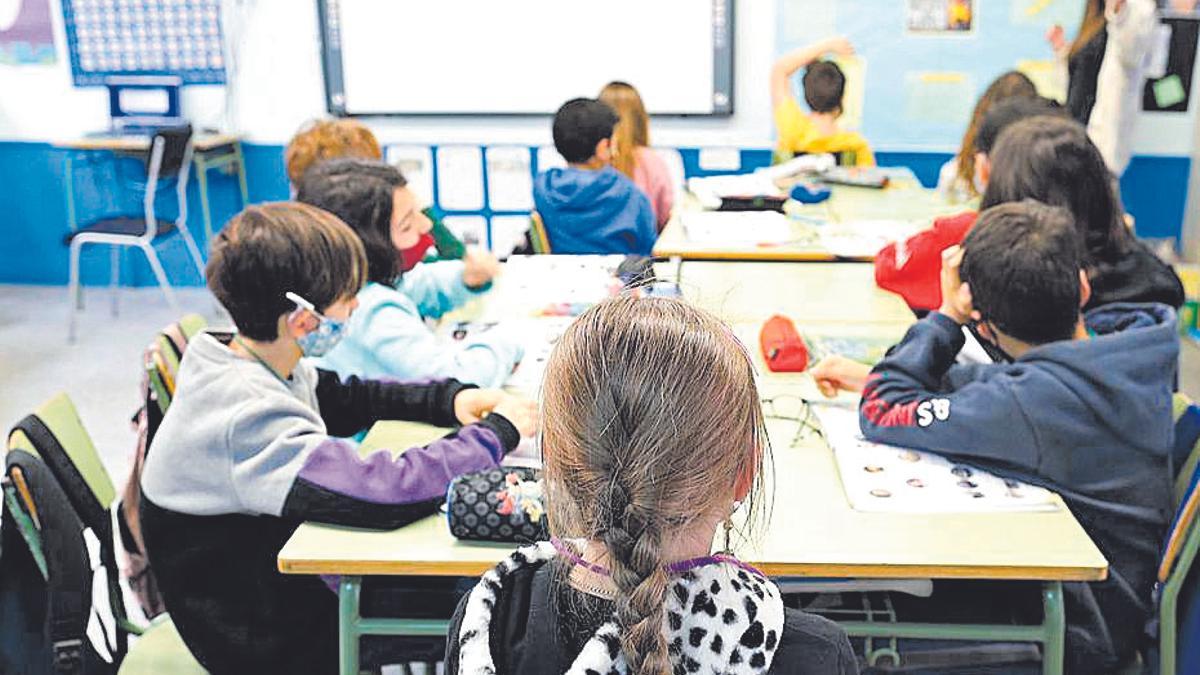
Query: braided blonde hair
{"points": [[652, 420]]}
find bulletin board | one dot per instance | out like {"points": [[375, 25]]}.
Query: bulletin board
{"points": [[923, 74]]}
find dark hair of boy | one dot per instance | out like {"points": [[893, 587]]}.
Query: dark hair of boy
{"points": [[579, 125], [1051, 159], [1022, 263], [824, 85], [360, 192], [270, 249], [1007, 113]]}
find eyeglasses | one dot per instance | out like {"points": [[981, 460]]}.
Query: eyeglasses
{"points": [[792, 408]]}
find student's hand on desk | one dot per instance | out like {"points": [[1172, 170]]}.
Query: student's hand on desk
{"points": [[956, 295], [838, 373], [472, 405], [522, 412], [479, 267]]}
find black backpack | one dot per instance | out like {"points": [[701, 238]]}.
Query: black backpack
{"points": [[46, 576]]}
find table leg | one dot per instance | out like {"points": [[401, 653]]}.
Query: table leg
{"points": [[69, 189], [241, 173], [349, 589], [1055, 625], [202, 184]]}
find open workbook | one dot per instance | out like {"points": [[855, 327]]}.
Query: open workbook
{"points": [[887, 478]]}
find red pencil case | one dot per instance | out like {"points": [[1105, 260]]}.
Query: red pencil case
{"points": [[782, 347]]}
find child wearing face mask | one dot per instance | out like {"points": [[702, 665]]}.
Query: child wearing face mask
{"points": [[388, 336], [248, 449], [1081, 404]]}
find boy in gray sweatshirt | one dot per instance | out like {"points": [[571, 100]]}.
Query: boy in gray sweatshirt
{"points": [[249, 448]]}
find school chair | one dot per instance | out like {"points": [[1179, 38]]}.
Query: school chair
{"points": [[1178, 596], [57, 497], [64, 493], [539, 240], [160, 651], [170, 156], [160, 365]]}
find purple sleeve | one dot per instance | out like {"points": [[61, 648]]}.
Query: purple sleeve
{"points": [[335, 485]]}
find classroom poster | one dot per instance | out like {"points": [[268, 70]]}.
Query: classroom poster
{"points": [[26, 33], [940, 16]]}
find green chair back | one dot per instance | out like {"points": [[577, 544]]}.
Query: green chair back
{"points": [[160, 651], [539, 240], [62, 419]]}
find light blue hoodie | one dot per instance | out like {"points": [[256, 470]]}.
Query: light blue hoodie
{"points": [[594, 212], [388, 337]]}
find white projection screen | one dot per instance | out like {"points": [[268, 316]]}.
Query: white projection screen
{"points": [[524, 57]]}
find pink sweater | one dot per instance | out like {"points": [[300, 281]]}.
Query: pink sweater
{"points": [[651, 175]]}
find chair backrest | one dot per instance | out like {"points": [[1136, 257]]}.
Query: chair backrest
{"points": [[55, 470], [175, 142], [161, 363], [539, 240], [1186, 453], [57, 433]]}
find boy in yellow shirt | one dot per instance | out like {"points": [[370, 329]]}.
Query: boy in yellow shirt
{"points": [[824, 85]]}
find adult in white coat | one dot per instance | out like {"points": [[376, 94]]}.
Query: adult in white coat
{"points": [[1132, 25]]}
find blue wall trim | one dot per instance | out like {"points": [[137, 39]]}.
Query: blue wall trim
{"points": [[33, 214]]}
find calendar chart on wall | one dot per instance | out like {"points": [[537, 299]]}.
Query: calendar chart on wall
{"points": [[108, 38]]}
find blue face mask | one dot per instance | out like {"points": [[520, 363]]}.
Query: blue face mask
{"points": [[320, 340]]}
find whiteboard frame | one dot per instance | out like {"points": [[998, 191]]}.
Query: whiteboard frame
{"points": [[724, 62]]}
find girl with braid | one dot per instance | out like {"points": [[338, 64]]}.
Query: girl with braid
{"points": [[644, 464]]}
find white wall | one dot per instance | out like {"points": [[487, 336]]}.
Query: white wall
{"points": [[276, 85]]}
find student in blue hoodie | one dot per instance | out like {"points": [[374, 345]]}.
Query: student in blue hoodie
{"points": [[590, 207], [1082, 407]]}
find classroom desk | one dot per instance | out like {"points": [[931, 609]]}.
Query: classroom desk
{"points": [[826, 292], [814, 533], [210, 151], [903, 200]]}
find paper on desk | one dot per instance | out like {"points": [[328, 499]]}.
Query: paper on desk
{"points": [[736, 228], [709, 190], [884, 478], [864, 238]]}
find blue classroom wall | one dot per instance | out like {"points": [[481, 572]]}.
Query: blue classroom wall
{"points": [[33, 212]]}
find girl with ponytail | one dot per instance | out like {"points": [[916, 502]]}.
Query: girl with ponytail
{"points": [[652, 435]]}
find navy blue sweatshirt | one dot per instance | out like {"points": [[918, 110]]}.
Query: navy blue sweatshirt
{"points": [[589, 211], [1090, 419]]}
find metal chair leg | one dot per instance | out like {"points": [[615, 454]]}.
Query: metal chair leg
{"points": [[192, 248], [74, 293], [161, 275]]}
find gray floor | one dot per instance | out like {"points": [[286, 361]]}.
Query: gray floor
{"points": [[101, 371]]}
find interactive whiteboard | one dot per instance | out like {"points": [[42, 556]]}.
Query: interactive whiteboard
{"points": [[481, 57]]}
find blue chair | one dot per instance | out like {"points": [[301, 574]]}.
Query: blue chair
{"points": [[1177, 595]]}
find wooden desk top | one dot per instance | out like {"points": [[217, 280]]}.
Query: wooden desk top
{"points": [[904, 200], [138, 143], [812, 532], [825, 292]]}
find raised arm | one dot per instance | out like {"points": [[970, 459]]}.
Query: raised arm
{"points": [[789, 63]]}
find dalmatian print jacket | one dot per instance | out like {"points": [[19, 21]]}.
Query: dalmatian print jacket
{"points": [[723, 618]]}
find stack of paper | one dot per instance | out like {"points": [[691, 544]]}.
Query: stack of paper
{"points": [[885, 478], [736, 228], [709, 190]]}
